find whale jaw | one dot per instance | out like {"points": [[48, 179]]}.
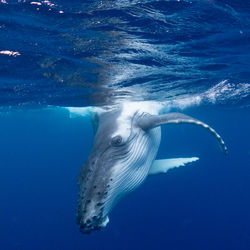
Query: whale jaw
{"points": [[94, 224]]}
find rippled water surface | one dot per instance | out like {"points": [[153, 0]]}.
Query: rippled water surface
{"points": [[97, 52]]}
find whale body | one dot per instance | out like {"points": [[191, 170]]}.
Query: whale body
{"points": [[126, 142]]}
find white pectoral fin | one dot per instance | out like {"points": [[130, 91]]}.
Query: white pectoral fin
{"points": [[162, 166]]}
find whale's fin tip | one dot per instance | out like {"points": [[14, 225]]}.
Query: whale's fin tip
{"points": [[84, 111], [162, 166]]}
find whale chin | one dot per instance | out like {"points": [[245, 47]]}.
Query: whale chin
{"points": [[93, 225], [105, 221]]}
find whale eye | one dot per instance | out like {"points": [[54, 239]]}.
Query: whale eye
{"points": [[116, 141]]}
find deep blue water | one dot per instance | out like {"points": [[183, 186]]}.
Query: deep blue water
{"points": [[192, 55], [201, 206]]}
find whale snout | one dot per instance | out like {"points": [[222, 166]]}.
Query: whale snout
{"points": [[87, 225], [90, 224], [90, 216]]}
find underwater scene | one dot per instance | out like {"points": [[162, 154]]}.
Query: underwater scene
{"points": [[125, 124]]}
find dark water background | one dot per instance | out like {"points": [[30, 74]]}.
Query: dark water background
{"points": [[202, 206], [192, 54]]}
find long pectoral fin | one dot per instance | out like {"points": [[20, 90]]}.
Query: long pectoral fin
{"points": [[162, 166], [151, 121]]}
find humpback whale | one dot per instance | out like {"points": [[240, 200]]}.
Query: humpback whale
{"points": [[123, 154]]}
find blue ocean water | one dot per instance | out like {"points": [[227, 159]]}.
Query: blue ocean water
{"points": [[191, 55]]}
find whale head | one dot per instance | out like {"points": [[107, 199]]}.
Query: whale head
{"points": [[119, 162]]}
